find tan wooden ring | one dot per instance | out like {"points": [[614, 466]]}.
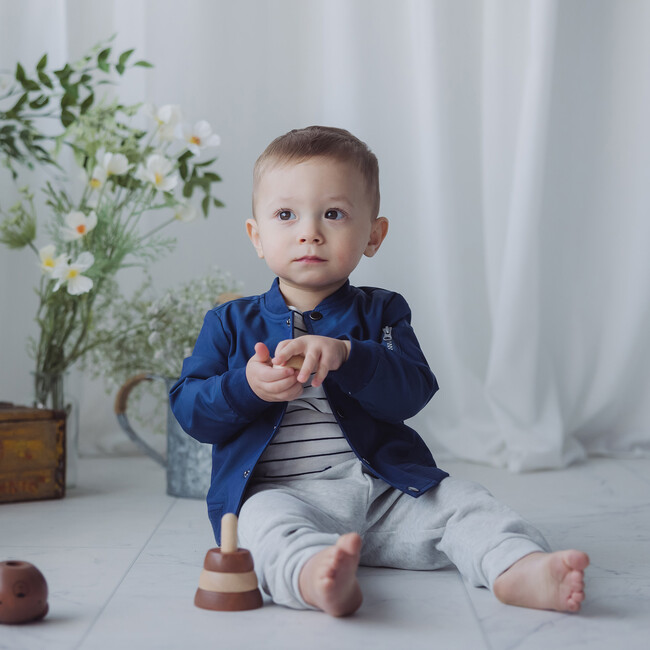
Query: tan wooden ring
{"points": [[232, 583]]}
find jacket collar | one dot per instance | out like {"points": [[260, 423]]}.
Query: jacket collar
{"points": [[274, 301]]}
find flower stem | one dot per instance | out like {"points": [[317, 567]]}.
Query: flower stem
{"points": [[157, 228]]}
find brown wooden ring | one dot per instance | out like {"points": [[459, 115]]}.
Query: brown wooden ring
{"points": [[241, 561], [225, 602]]}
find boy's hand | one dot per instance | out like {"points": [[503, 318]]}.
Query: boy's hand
{"points": [[321, 353], [269, 383]]}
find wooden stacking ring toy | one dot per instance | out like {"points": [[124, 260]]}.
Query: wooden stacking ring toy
{"points": [[228, 582]]}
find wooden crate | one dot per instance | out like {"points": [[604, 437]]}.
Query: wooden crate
{"points": [[32, 453]]}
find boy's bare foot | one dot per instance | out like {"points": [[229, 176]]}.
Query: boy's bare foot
{"points": [[545, 581], [329, 579]]}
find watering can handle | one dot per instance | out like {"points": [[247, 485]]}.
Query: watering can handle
{"points": [[121, 402]]}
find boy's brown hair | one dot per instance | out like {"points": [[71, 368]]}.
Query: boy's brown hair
{"points": [[326, 141]]}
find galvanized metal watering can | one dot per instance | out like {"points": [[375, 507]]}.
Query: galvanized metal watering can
{"points": [[188, 462]]}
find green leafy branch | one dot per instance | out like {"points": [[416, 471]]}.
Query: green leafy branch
{"points": [[63, 94]]}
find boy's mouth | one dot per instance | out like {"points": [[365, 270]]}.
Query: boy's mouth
{"points": [[310, 259]]}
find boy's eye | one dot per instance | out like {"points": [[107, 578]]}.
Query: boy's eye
{"points": [[334, 214], [286, 215]]}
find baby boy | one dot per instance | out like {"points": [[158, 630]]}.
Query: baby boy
{"points": [[315, 456]]}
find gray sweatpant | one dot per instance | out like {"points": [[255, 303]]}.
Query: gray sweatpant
{"points": [[458, 522]]}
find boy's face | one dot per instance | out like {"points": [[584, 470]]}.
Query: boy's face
{"points": [[313, 223]]}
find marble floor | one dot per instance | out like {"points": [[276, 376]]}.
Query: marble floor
{"points": [[122, 560]]}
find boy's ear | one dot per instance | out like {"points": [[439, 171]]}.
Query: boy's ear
{"points": [[377, 236], [254, 236]]}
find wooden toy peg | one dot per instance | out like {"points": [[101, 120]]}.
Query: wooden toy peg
{"points": [[294, 362], [229, 533], [228, 581]]}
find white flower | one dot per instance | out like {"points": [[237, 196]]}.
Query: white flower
{"points": [[109, 164], [186, 212], [115, 164], [48, 261], [158, 172], [71, 274], [79, 225], [198, 137], [98, 177], [153, 338], [166, 117]]}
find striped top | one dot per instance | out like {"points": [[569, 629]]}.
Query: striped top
{"points": [[309, 439]]}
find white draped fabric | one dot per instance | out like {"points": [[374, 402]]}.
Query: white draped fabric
{"points": [[513, 140]]}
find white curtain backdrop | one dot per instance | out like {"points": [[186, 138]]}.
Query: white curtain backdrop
{"points": [[513, 141]]}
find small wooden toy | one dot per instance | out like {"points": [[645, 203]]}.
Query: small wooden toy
{"points": [[295, 362], [228, 582], [23, 592]]}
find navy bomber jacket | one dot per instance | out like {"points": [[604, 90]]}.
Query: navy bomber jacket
{"points": [[385, 380]]}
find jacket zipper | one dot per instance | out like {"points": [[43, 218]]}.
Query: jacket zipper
{"points": [[388, 336]]}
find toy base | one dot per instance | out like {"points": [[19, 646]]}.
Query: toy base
{"points": [[228, 602]]}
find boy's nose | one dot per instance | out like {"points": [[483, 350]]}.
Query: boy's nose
{"points": [[310, 233], [311, 238]]}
